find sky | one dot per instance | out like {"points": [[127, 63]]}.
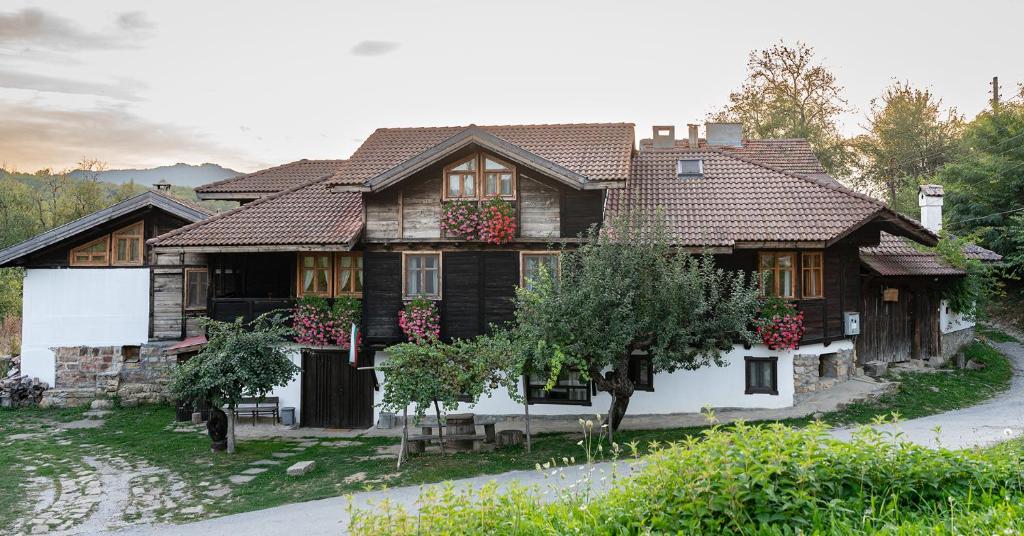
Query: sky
{"points": [[258, 83]]}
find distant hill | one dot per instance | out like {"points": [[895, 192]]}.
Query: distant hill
{"points": [[178, 174]]}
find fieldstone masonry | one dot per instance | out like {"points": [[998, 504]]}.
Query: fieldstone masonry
{"points": [[135, 374], [813, 372]]}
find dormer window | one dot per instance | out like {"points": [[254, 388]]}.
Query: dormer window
{"points": [[689, 168], [480, 176]]}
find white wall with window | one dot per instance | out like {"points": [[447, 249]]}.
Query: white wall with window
{"points": [[81, 307], [683, 391]]}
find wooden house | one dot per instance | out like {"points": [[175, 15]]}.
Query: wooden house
{"points": [[369, 228]]}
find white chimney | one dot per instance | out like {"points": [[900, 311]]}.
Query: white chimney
{"points": [[664, 136], [694, 140], [929, 197], [725, 134]]}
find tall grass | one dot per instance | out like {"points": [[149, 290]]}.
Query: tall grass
{"points": [[765, 479], [10, 335]]}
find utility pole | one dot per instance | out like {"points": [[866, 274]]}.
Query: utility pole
{"points": [[995, 92]]}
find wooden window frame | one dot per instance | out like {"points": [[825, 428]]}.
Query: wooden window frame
{"points": [[820, 274], [522, 263], [479, 178], [440, 275], [299, 290], [509, 166], [641, 384], [589, 387], [186, 287], [338, 291], [776, 271], [106, 254], [449, 170], [751, 390], [136, 230]]}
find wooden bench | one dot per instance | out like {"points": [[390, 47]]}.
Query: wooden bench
{"points": [[489, 434], [258, 407], [418, 443]]}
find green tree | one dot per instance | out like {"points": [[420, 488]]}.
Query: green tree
{"points": [[626, 290], [789, 94], [909, 137], [985, 187], [239, 360]]}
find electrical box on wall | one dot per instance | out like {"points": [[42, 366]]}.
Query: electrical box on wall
{"points": [[851, 323]]}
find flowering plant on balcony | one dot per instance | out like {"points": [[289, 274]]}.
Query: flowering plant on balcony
{"points": [[778, 324], [460, 218], [420, 321], [497, 219], [317, 324]]}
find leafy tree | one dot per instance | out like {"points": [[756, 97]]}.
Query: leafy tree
{"points": [[788, 94], [909, 137], [239, 360], [625, 290], [985, 188]]}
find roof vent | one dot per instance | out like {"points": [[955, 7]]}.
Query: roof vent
{"points": [[689, 168], [664, 136]]}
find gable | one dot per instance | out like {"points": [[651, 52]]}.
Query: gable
{"points": [[161, 213]]}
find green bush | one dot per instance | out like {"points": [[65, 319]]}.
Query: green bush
{"points": [[751, 480]]}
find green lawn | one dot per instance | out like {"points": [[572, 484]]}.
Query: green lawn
{"points": [[146, 434]]}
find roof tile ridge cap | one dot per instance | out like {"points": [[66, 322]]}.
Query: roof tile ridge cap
{"points": [[830, 186], [187, 203], [245, 175], [221, 215]]}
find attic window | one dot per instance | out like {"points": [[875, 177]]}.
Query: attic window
{"points": [[689, 168]]}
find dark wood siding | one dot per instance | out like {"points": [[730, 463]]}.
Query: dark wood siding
{"points": [[382, 296], [461, 312], [580, 210], [902, 329], [335, 394], [262, 282], [501, 277]]}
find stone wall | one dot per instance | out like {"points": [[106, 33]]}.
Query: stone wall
{"points": [[816, 372], [135, 374], [952, 344]]}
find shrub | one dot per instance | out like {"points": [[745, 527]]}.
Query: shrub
{"points": [[766, 479]]}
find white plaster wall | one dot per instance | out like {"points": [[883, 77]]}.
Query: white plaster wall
{"points": [[81, 307], [678, 392], [290, 394], [950, 321]]}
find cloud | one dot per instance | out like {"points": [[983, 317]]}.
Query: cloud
{"points": [[33, 137], [126, 89], [35, 27], [374, 48], [134, 20]]}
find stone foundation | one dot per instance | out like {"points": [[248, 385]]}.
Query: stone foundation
{"points": [[134, 374], [952, 344], [816, 372]]}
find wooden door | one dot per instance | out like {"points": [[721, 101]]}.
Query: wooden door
{"points": [[335, 394]]}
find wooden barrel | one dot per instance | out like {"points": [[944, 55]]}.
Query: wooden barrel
{"points": [[460, 424]]}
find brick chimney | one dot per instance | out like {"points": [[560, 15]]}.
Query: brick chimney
{"points": [[929, 198], [664, 136]]}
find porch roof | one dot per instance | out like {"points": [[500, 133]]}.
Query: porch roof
{"points": [[307, 216], [895, 257]]}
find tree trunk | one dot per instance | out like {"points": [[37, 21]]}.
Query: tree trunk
{"points": [[526, 411], [440, 428], [616, 382], [616, 412], [231, 429]]}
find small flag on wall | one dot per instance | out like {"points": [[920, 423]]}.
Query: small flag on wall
{"points": [[353, 342]]}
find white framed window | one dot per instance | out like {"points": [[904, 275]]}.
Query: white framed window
{"points": [[530, 263], [421, 275]]}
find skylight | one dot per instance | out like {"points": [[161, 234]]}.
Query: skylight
{"points": [[689, 168]]}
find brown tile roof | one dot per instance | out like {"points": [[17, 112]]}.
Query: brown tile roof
{"points": [[308, 214], [788, 154], [979, 253], [738, 200], [895, 256], [275, 179], [598, 151]]}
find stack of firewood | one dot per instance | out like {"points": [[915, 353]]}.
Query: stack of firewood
{"points": [[18, 391]]}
